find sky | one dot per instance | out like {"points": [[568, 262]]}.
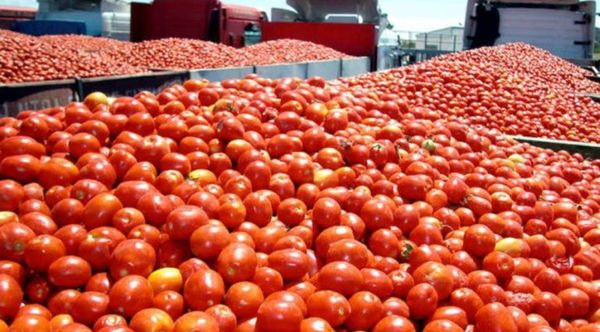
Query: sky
{"points": [[405, 15]]}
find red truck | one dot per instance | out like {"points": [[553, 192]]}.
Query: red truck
{"points": [[197, 19], [326, 22], [10, 15]]}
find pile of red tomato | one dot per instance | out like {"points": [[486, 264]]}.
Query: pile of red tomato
{"points": [[289, 50], [289, 205], [516, 88], [26, 58]]}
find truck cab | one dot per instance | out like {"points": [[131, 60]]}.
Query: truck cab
{"points": [[197, 19], [565, 28]]}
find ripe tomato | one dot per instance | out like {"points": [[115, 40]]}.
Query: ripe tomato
{"points": [[62, 302], [130, 192], [422, 300], [184, 220], [575, 302], [394, 323], [366, 310], [23, 168], [437, 275], [331, 306], [278, 316], [349, 250], [89, 307], [30, 323], [130, 294], [69, 271], [196, 320], [225, 318], [292, 264], [494, 317], [244, 298], [236, 262], [12, 195], [99, 282], [341, 277], [58, 171], [203, 289], [42, 251], [132, 257], [442, 325], [11, 296], [479, 240], [151, 319], [326, 212]]}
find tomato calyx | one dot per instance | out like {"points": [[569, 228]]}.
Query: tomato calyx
{"points": [[408, 248]]}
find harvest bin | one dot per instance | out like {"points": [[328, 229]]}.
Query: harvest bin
{"points": [[18, 97], [221, 74], [129, 85], [355, 66], [587, 150], [328, 69], [298, 69]]}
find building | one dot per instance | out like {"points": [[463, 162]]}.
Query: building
{"points": [[446, 39]]}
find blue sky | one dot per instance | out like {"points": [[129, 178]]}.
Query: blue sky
{"points": [[406, 15]]}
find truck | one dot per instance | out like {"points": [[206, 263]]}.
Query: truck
{"points": [[327, 22], [9, 15], [198, 19], [565, 28], [330, 23]]}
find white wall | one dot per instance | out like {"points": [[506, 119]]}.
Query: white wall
{"points": [[443, 40]]}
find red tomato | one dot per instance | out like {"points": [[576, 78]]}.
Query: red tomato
{"points": [[58, 171], [225, 318], [292, 264], [89, 307], [69, 271], [42, 251], [331, 306], [23, 168], [479, 240], [437, 275], [326, 212], [575, 302], [30, 323], [14, 237], [494, 317], [11, 296], [366, 310], [12, 195], [236, 262], [196, 320], [278, 316], [244, 298], [422, 300], [62, 302], [203, 289], [151, 319], [130, 294], [183, 221], [341, 277], [394, 323], [132, 257]]}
